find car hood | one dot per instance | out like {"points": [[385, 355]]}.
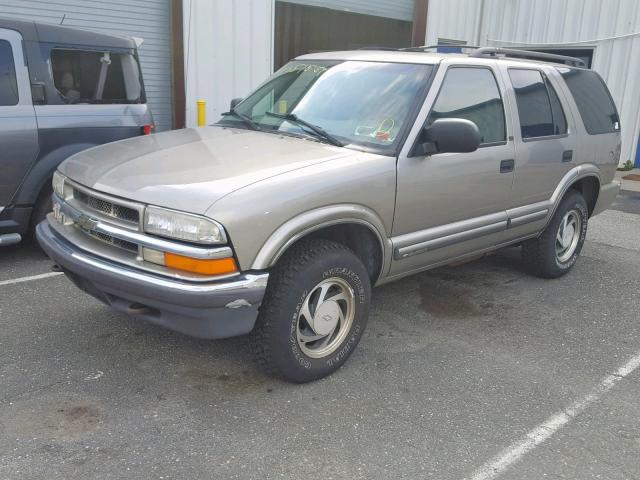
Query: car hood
{"points": [[191, 169]]}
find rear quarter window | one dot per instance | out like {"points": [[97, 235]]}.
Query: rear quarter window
{"points": [[593, 99]]}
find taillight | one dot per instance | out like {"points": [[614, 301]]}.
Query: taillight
{"points": [[147, 129]]}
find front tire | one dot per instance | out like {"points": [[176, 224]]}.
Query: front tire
{"points": [[555, 251], [314, 311]]}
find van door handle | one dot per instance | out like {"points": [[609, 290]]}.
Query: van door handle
{"points": [[506, 166], [567, 155]]}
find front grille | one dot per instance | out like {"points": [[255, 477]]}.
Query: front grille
{"points": [[114, 210], [116, 242]]}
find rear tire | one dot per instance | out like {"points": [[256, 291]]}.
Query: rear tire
{"points": [[314, 311], [555, 251]]}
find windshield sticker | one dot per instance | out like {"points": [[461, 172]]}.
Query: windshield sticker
{"points": [[301, 68], [381, 132]]}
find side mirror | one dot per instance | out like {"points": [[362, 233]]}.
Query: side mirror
{"points": [[235, 101], [38, 94], [448, 135]]}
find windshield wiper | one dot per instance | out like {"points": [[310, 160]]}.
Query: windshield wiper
{"points": [[245, 119], [319, 131]]}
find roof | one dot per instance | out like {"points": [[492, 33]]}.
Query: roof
{"points": [[425, 56], [49, 33]]}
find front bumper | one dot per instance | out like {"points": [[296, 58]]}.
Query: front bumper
{"points": [[211, 310]]}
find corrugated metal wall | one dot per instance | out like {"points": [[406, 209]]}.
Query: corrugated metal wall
{"points": [[562, 23], [398, 9], [228, 47], [148, 19]]}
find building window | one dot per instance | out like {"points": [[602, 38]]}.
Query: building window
{"points": [[8, 83], [481, 104], [448, 45]]}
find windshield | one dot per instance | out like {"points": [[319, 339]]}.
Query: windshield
{"points": [[365, 104]]}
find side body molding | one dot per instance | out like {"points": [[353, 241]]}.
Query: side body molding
{"points": [[415, 243], [310, 221]]}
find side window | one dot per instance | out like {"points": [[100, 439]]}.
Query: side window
{"points": [[8, 83], [594, 102], [96, 77], [539, 107], [472, 94], [559, 119]]}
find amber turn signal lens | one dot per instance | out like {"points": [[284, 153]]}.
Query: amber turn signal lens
{"points": [[218, 266]]}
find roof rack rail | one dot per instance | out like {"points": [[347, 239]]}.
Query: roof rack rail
{"points": [[431, 47], [392, 49], [528, 54]]}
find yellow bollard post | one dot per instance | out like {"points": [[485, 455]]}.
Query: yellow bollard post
{"points": [[202, 113]]}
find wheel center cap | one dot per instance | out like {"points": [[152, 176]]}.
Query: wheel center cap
{"points": [[326, 317]]}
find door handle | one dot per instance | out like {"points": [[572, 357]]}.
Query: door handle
{"points": [[506, 166], [567, 155]]}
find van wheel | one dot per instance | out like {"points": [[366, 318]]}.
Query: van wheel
{"points": [[554, 253], [314, 311], [40, 210]]}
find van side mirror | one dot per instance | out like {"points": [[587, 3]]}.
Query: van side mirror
{"points": [[38, 94], [235, 101], [448, 135]]}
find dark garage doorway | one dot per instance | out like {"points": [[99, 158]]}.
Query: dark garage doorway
{"points": [[301, 29]]}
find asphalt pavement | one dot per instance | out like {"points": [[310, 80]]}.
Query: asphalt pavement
{"points": [[476, 371]]}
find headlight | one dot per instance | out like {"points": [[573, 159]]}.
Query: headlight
{"points": [[58, 184], [182, 226]]}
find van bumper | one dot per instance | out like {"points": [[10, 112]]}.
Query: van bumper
{"points": [[607, 195], [212, 310]]}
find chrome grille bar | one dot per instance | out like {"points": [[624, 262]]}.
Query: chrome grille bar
{"points": [[93, 223]]}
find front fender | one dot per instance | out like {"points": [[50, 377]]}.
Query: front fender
{"points": [[313, 220]]}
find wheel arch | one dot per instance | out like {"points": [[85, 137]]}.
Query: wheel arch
{"points": [[37, 178], [589, 187], [585, 179], [355, 226]]}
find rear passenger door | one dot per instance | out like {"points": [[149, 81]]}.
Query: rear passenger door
{"points": [[545, 151], [18, 129]]}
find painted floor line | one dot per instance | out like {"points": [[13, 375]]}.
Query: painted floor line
{"points": [[29, 279], [510, 455]]}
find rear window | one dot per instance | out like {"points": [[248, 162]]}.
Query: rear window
{"points": [[8, 84], [595, 104], [96, 77]]}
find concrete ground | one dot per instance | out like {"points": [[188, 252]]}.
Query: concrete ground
{"points": [[477, 371]]}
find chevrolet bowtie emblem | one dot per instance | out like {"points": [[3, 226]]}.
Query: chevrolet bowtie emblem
{"points": [[86, 223]]}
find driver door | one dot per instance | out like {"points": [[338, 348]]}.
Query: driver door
{"points": [[452, 204]]}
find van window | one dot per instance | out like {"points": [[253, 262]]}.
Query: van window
{"points": [[539, 108], [472, 94], [96, 77], [8, 83], [592, 97]]}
